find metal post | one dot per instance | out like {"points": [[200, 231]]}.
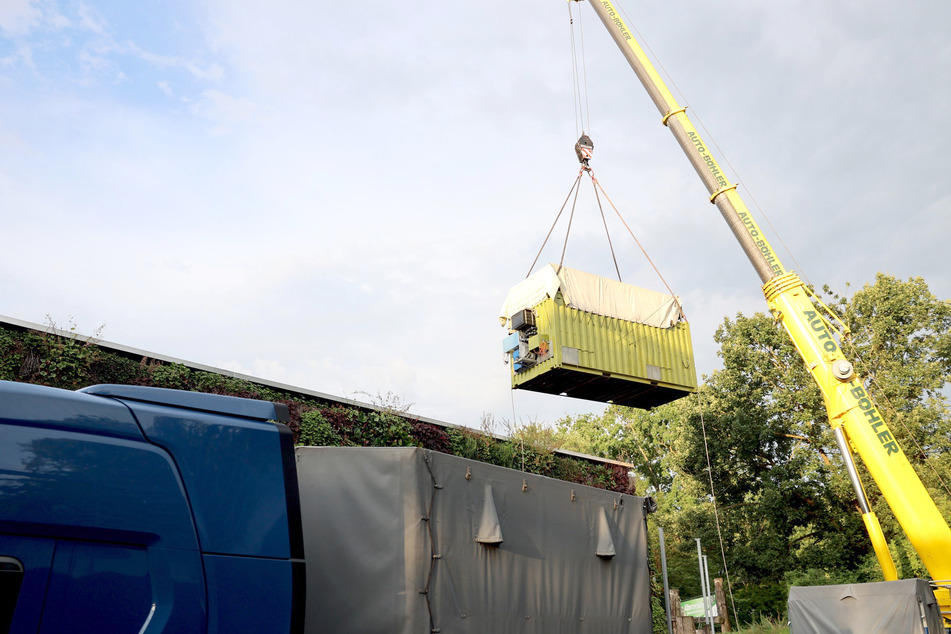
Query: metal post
{"points": [[706, 576], [703, 582], [663, 567]]}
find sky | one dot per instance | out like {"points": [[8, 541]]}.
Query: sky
{"points": [[338, 196]]}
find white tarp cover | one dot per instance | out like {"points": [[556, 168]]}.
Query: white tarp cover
{"points": [[864, 608], [593, 294], [392, 544]]}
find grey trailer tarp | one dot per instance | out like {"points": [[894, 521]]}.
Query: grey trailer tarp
{"points": [[888, 607], [410, 540]]}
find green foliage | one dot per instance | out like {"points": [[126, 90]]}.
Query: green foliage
{"points": [[475, 446], [531, 450], [658, 612], [354, 427], [604, 436], [73, 361], [47, 358], [536, 448], [765, 625], [383, 429], [316, 431], [67, 359], [174, 376], [786, 508], [766, 599], [12, 350], [821, 577]]}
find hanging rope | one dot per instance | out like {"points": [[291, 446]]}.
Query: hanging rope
{"points": [[584, 149], [604, 221], [571, 218], [716, 512], [560, 211], [584, 156], [638, 242], [579, 79]]}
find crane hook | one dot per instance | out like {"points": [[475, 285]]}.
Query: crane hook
{"points": [[584, 148]]}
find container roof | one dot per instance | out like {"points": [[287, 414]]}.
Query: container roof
{"points": [[593, 294]]}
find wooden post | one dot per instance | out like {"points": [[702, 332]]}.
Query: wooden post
{"points": [[676, 618], [688, 625], [681, 624], [724, 617]]}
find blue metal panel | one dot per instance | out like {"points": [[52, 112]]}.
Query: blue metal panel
{"points": [[35, 555], [178, 592], [251, 595], [234, 474], [76, 471], [39, 406], [105, 584], [72, 485], [509, 343], [216, 403], [95, 476]]}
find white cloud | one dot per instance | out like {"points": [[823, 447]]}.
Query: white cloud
{"points": [[375, 182], [200, 70], [22, 54], [19, 17], [95, 63], [270, 369], [89, 20], [224, 111]]}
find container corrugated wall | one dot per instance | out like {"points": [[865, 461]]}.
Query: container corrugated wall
{"points": [[618, 361]]}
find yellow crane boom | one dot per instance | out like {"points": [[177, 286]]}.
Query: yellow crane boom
{"points": [[858, 424]]}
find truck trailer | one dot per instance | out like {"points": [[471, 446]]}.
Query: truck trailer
{"points": [[139, 509]]}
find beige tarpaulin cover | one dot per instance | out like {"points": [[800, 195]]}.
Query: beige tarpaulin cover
{"points": [[885, 607], [593, 294], [402, 540]]}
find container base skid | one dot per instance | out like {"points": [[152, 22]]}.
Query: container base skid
{"points": [[605, 389]]}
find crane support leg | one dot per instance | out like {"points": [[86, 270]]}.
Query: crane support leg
{"points": [[874, 529]]}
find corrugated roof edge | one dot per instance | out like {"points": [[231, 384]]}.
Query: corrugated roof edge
{"points": [[329, 398]]}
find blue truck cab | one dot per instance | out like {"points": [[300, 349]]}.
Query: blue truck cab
{"points": [[137, 509]]}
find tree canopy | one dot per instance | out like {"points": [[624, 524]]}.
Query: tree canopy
{"points": [[756, 439]]}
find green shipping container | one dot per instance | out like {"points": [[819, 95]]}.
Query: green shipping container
{"points": [[593, 338]]}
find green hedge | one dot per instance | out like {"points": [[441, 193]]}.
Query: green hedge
{"points": [[74, 362]]}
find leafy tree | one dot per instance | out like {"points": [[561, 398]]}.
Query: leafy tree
{"points": [[786, 508], [901, 337]]}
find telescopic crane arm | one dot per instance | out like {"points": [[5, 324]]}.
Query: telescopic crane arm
{"points": [[857, 422]]}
